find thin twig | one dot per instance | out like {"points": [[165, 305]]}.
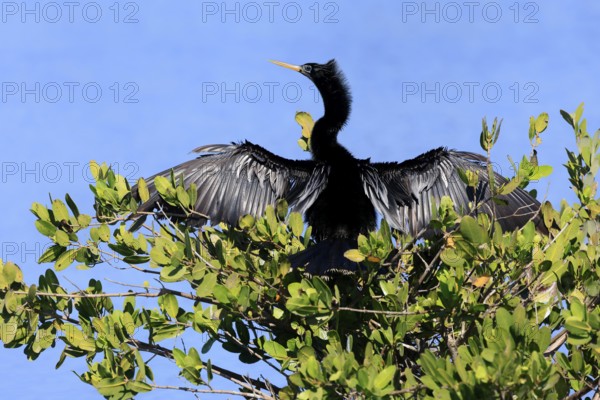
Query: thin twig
{"points": [[122, 294], [213, 391], [230, 375], [252, 352], [589, 386], [556, 342], [365, 311]]}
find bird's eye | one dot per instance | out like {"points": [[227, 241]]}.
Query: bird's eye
{"points": [[307, 68]]}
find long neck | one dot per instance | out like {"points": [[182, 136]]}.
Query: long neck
{"points": [[337, 100]]}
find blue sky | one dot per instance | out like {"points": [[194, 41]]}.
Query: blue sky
{"points": [[140, 84]]}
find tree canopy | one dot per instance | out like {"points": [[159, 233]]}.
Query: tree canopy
{"points": [[469, 312]]}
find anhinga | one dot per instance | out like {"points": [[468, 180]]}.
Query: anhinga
{"points": [[338, 194]]}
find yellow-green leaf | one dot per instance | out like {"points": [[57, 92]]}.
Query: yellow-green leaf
{"points": [[142, 188], [384, 378], [65, 259], [354, 255], [510, 186], [296, 223], [12, 273], [51, 254], [61, 238], [171, 305], [275, 350], [305, 120], [60, 211], [95, 169], [541, 123], [40, 211], [472, 231], [45, 227]]}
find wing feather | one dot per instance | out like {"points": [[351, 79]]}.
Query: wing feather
{"points": [[238, 179], [405, 193]]}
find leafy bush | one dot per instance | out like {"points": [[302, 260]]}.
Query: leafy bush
{"points": [[473, 312]]}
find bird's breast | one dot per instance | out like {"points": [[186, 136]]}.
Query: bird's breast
{"points": [[342, 210]]}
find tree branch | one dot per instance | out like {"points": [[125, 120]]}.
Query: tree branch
{"points": [[589, 386], [230, 375], [213, 391], [365, 311]]}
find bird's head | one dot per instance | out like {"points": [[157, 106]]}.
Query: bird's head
{"points": [[337, 100], [315, 72]]}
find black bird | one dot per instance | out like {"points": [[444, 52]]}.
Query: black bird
{"points": [[338, 194]]}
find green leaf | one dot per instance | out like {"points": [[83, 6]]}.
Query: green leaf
{"points": [[452, 258], [221, 294], [540, 172], [384, 378], [104, 233], [76, 338], [271, 218], [247, 221], [95, 170], [138, 386], [62, 238], [577, 309], [275, 350], [31, 293], [577, 361], [84, 220], [206, 287], [510, 186], [541, 123], [183, 197], [12, 273], [166, 332], [281, 208], [300, 306], [567, 117], [45, 228], [313, 368], [72, 205], [139, 222], [531, 128], [171, 305], [548, 214], [472, 231], [504, 319], [60, 211], [323, 289], [110, 386], [296, 223], [158, 255], [136, 259], [172, 273], [278, 313], [142, 189], [40, 211], [10, 305], [578, 113], [577, 327], [164, 187], [303, 144], [209, 373], [51, 254], [354, 255], [305, 120], [65, 259]]}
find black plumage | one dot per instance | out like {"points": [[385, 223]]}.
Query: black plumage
{"points": [[339, 194]]}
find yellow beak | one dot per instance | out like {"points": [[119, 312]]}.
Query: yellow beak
{"points": [[286, 65]]}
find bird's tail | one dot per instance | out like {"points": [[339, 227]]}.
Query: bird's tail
{"points": [[326, 258]]}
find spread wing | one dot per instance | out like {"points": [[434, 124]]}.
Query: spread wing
{"points": [[404, 193], [238, 179]]}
